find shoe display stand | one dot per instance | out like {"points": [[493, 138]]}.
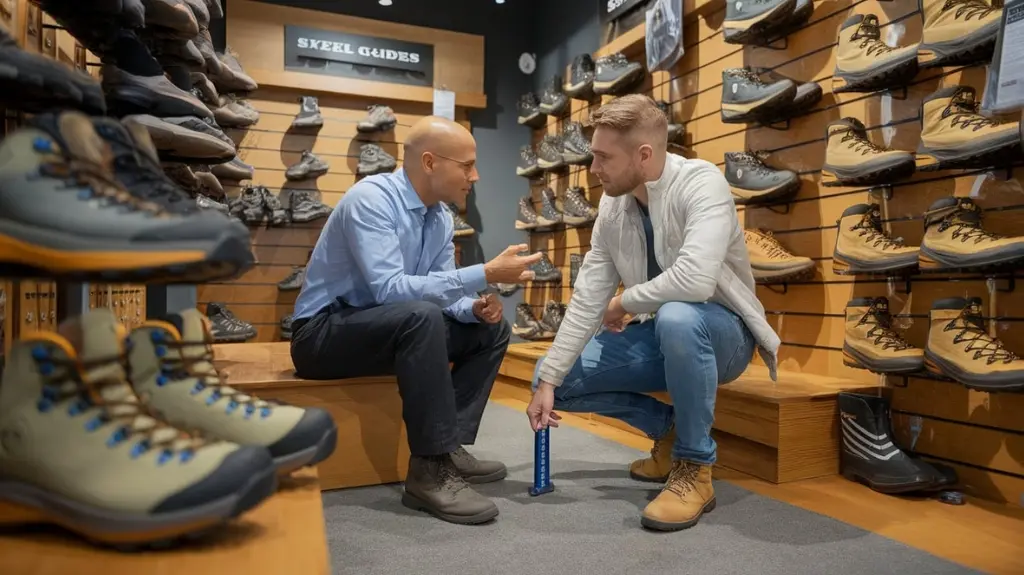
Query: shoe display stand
{"points": [[935, 418]]}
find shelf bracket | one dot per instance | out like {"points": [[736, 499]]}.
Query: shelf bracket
{"points": [[883, 190], [781, 209], [1011, 283], [781, 125], [775, 287], [773, 43], [898, 93]]}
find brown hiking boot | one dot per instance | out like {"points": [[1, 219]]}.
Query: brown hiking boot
{"points": [[955, 239], [862, 246], [655, 468], [435, 485], [957, 32], [960, 348], [872, 344], [955, 135], [688, 494], [864, 63], [770, 262], [475, 470], [851, 159], [378, 119]]}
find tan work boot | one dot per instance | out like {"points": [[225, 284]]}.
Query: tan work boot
{"points": [[862, 246], [864, 63], [957, 32], [172, 368], [955, 239], [955, 135], [770, 262], [960, 348], [656, 468], [851, 159], [871, 343], [436, 485], [688, 494], [79, 450]]}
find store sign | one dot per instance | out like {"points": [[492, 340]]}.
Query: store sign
{"points": [[343, 54], [612, 9]]}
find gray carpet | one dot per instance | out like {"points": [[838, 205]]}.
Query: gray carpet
{"points": [[590, 524]]}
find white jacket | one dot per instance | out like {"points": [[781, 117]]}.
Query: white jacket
{"points": [[698, 242]]}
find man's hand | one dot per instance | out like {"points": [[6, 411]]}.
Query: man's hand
{"points": [[615, 317], [509, 267], [488, 309], [539, 410]]}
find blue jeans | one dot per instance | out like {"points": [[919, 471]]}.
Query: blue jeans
{"points": [[689, 349]]}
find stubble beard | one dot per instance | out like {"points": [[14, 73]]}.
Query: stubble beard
{"points": [[629, 182]]}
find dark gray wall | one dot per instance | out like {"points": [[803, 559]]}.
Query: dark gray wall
{"points": [[567, 28]]}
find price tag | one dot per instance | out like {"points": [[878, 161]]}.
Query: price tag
{"points": [[444, 104], [1010, 78]]}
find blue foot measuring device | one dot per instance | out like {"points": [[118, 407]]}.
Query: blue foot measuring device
{"points": [[542, 463]]}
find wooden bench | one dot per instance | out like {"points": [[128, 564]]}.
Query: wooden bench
{"points": [[372, 446], [777, 431]]}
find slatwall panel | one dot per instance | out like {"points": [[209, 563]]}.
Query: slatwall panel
{"points": [[980, 434], [270, 147]]}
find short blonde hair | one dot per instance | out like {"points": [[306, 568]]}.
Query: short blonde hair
{"points": [[630, 112]]}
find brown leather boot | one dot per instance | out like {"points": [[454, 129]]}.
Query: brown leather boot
{"points": [[475, 470], [688, 494], [435, 485], [656, 467]]}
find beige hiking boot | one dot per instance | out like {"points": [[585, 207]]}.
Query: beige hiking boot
{"points": [[688, 494], [79, 450], [957, 32], [872, 344], [770, 262], [172, 368], [851, 159], [864, 63], [955, 135], [960, 348], [862, 246], [655, 468], [955, 239]]}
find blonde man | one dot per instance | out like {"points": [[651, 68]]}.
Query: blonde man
{"points": [[668, 231]]}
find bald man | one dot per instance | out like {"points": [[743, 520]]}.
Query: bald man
{"points": [[382, 296]]}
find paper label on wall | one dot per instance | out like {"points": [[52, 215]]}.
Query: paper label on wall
{"points": [[1010, 92], [444, 104]]}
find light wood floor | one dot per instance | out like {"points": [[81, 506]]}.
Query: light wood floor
{"points": [[980, 535]]}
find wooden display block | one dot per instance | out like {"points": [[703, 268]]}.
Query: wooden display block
{"points": [[372, 446], [779, 431]]}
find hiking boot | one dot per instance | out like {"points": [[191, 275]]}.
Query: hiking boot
{"points": [[475, 470], [957, 32], [231, 77], [576, 146], [549, 155], [955, 239], [274, 209], [248, 206], [236, 170], [851, 159], [688, 495], [657, 467], [378, 119], [374, 160], [527, 167], [526, 325], [545, 271], [209, 185], [214, 68], [175, 52], [207, 91], [869, 453], [747, 98], [615, 75], [186, 140], [171, 15], [303, 206], [872, 344], [580, 83], [807, 95], [35, 83], [770, 262], [754, 183], [675, 130], [863, 246], [207, 203], [225, 327], [549, 207], [506, 290], [576, 209], [200, 11], [552, 101], [798, 18], [526, 217], [182, 175], [552, 319], [960, 348], [294, 279], [127, 94], [755, 22], [864, 63], [575, 262], [435, 484], [308, 168], [462, 227], [286, 327], [955, 135], [529, 111], [172, 366], [309, 115], [234, 112], [215, 8], [81, 451]]}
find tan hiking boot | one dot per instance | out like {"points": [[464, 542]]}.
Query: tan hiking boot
{"points": [[851, 159], [436, 485], [864, 63], [770, 262], [688, 494], [872, 344], [960, 348], [957, 32], [655, 468], [862, 246], [172, 369], [954, 238], [79, 450], [955, 135]]}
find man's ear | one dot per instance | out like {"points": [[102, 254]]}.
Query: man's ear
{"points": [[427, 161], [646, 152]]}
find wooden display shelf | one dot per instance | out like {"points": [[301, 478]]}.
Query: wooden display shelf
{"points": [[372, 447], [283, 535], [778, 431]]}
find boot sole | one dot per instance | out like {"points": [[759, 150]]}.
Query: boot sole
{"points": [[759, 110], [35, 86], [524, 226], [577, 159], [887, 489], [766, 276], [929, 259], [1006, 381], [644, 478], [622, 83], [546, 165], [893, 76], [656, 525], [311, 455], [464, 233], [530, 173], [1000, 151], [766, 196], [960, 52], [853, 358], [842, 265], [412, 502], [182, 145], [833, 176], [136, 99], [385, 127], [756, 28]]}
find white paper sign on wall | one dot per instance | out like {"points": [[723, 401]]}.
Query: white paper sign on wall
{"points": [[444, 104]]}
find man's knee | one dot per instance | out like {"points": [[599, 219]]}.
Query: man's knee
{"points": [[679, 322], [501, 332], [421, 314]]}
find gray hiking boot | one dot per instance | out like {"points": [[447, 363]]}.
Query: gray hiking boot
{"points": [[552, 320], [294, 280], [526, 325], [435, 485], [186, 140], [545, 271], [277, 215], [576, 209], [748, 98], [235, 171], [208, 203], [475, 470], [462, 227], [615, 75], [549, 207], [527, 167], [309, 113], [752, 182], [231, 77], [527, 218], [209, 185], [308, 168], [378, 119], [374, 160], [286, 327], [248, 206], [549, 156], [576, 146], [675, 130], [303, 205], [575, 262], [553, 101], [207, 91], [155, 95]]}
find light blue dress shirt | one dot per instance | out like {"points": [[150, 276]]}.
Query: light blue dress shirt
{"points": [[382, 245]]}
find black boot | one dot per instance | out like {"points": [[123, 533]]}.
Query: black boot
{"points": [[435, 485]]}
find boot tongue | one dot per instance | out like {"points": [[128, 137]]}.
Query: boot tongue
{"points": [[74, 132], [973, 312], [116, 137], [869, 28]]}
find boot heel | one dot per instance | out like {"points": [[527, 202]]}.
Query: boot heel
{"points": [[850, 361], [931, 367], [840, 266], [926, 263], [828, 178]]}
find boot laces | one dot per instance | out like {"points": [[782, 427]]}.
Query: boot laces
{"points": [[963, 109], [871, 226], [968, 8], [972, 331], [683, 478], [870, 35], [448, 476], [771, 246], [755, 161], [750, 76], [881, 330], [181, 366], [966, 226], [860, 143], [80, 173]]}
